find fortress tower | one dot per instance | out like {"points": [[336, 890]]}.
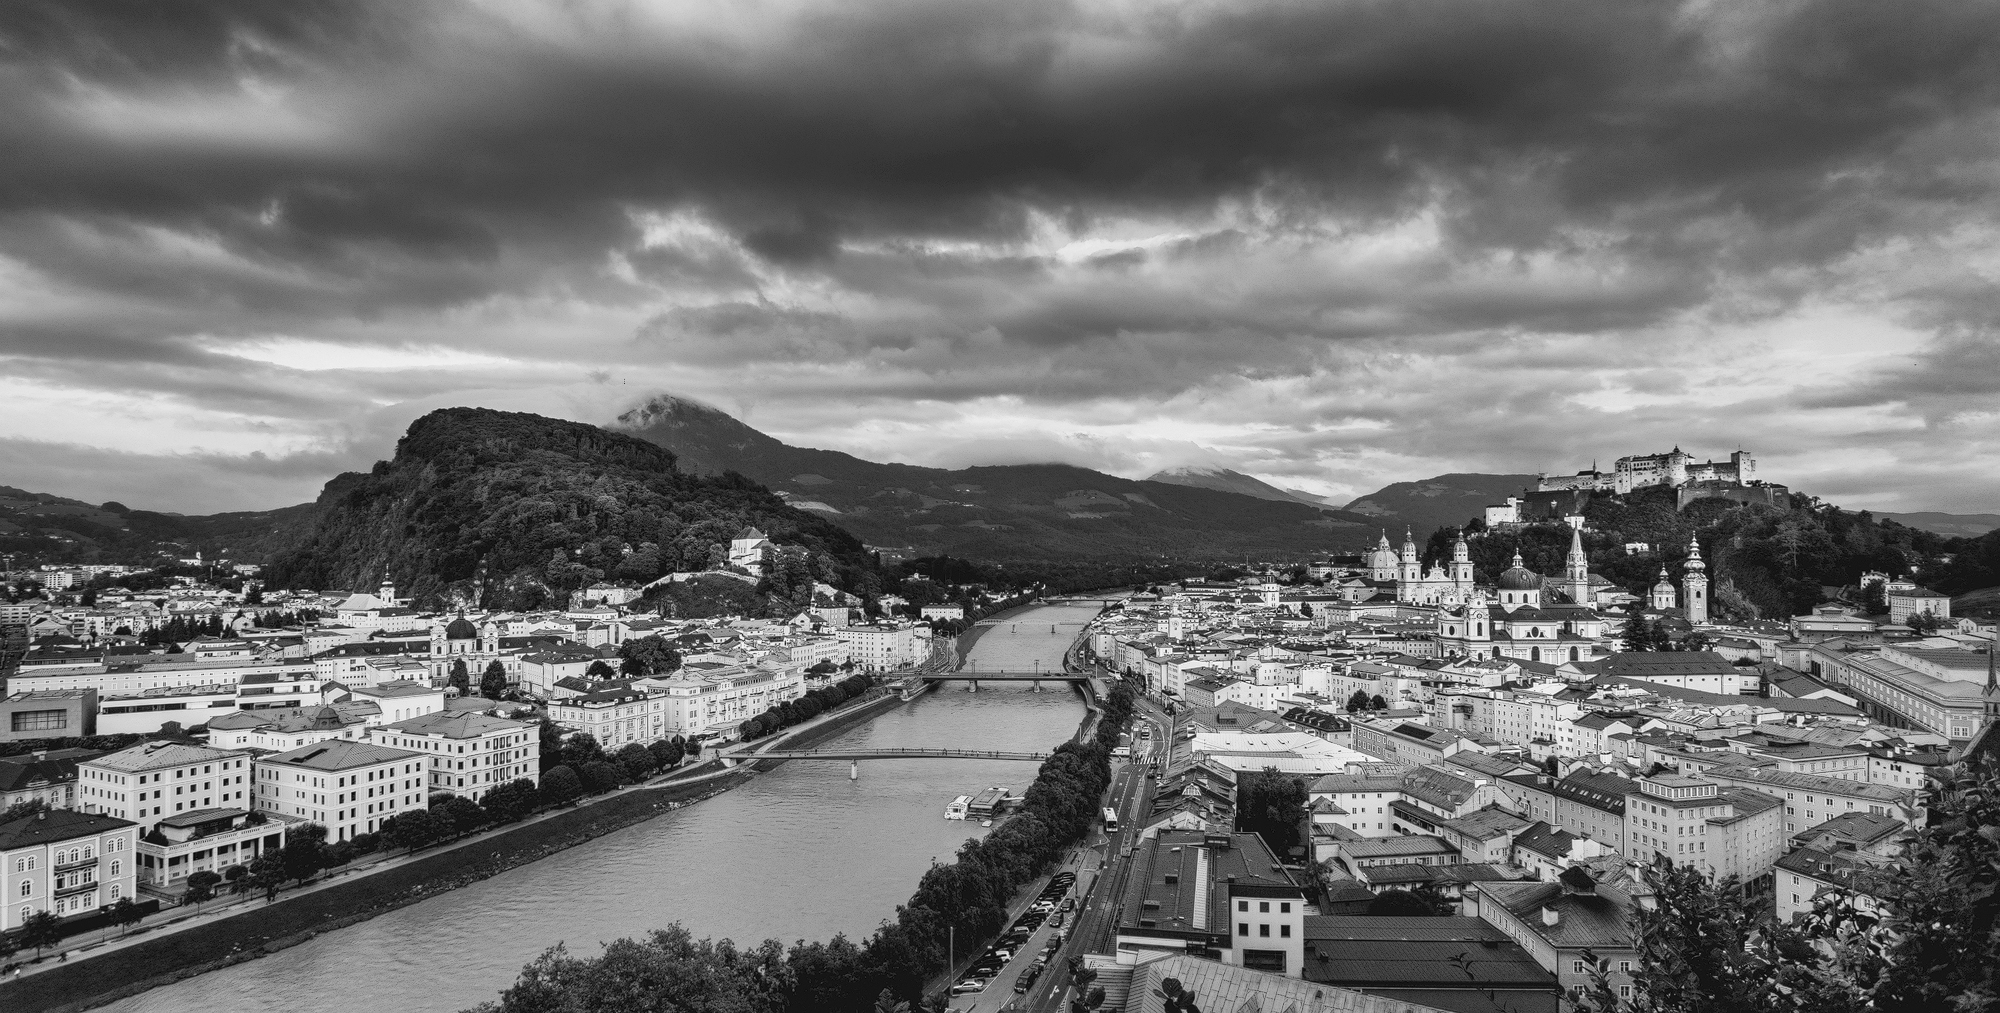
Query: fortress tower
{"points": [[1694, 584]]}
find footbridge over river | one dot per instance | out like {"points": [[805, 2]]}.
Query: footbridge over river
{"points": [[982, 675], [895, 754]]}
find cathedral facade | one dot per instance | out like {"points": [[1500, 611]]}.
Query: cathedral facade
{"points": [[1412, 584]]}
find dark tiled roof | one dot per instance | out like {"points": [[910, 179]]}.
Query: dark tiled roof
{"points": [[55, 826]]}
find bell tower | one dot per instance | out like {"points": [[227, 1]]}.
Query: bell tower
{"points": [[1694, 584], [1461, 565], [1576, 569], [1411, 571]]}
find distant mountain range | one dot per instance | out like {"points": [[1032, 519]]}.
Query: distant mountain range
{"points": [[1004, 511], [32, 523], [1022, 511], [1225, 480], [1957, 525], [1444, 501]]}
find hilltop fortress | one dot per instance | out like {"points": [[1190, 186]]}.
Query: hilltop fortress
{"points": [[1557, 496], [1673, 469]]}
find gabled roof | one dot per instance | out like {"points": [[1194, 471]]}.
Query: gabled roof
{"points": [[54, 826]]}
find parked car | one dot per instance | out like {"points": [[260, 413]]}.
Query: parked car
{"points": [[1057, 920], [968, 985], [1069, 904], [1027, 981]]}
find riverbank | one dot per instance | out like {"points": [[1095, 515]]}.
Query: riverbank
{"points": [[263, 929], [255, 929]]}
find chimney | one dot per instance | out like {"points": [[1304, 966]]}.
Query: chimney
{"points": [[1549, 916]]}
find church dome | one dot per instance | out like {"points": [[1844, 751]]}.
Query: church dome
{"points": [[461, 629], [1519, 578]]}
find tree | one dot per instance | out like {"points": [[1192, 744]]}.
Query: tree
{"points": [[1925, 622], [493, 681], [579, 750], [238, 878], [600, 776], [411, 830], [125, 914], [1359, 701], [1424, 902], [41, 930], [637, 761], [458, 816], [561, 786], [650, 655], [1272, 805], [599, 671], [1637, 635], [23, 809], [666, 753], [461, 678], [305, 852], [1875, 597], [510, 802], [551, 744], [1377, 703], [200, 887], [267, 873]]}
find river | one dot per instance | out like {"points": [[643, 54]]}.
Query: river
{"points": [[799, 853]]}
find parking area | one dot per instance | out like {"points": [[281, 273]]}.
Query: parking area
{"points": [[1029, 949]]}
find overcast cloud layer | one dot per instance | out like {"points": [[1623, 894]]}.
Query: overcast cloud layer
{"points": [[1334, 245]]}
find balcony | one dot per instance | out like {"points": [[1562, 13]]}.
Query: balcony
{"points": [[78, 864], [82, 887]]}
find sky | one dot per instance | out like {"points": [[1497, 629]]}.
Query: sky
{"points": [[1333, 245]]}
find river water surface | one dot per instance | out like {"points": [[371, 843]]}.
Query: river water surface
{"points": [[799, 853]]}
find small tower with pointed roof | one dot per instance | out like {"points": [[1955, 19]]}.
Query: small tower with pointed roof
{"points": [[1694, 584], [1410, 571], [1576, 570], [1461, 565]]}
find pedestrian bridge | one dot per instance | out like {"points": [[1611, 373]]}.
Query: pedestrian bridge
{"points": [[893, 754], [978, 675]]}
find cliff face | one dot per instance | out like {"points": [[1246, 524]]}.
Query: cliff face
{"points": [[511, 510]]}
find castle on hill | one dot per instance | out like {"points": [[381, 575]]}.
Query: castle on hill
{"points": [[1673, 469]]}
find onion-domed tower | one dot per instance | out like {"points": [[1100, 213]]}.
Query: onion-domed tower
{"points": [[1694, 584]]}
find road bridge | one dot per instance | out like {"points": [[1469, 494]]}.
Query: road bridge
{"points": [[893, 754]]}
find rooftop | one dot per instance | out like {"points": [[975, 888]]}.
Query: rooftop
{"points": [[54, 826], [338, 754], [159, 754]]}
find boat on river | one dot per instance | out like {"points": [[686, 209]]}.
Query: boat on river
{"points": [[956, 810]]}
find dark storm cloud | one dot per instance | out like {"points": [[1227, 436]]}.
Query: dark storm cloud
{"points": [[875, 200]]}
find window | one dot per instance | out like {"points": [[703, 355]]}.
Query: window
{"points": [[1264, 907], [1263, 930], [1242, 905], [1285, 931], [1242, 928], [1625, 966], [1285, 908], [1576, 966], [27, 888]]}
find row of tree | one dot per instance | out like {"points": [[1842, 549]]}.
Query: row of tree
{"points": [[670, 969], [805, 708]]}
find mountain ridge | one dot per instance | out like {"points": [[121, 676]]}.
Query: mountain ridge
{"points": [[996, 511]]}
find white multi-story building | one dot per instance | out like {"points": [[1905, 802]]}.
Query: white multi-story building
{"points": [[155, 780], [885, 646], [469, 753], [614, 717], [347, 787], [196, 797], [65, 862], [700, 701]]}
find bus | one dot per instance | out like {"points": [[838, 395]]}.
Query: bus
{"points": [[1110, 819]]}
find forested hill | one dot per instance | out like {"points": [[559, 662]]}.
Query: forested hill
{"points": [[1002, 512], [507, 510], [1763, 562]]}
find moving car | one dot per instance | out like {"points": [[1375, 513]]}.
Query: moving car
{"points": [[1027, 980]]}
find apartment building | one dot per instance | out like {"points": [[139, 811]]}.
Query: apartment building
{"points": [[348, 787], [468, 753], [66, 863]]}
